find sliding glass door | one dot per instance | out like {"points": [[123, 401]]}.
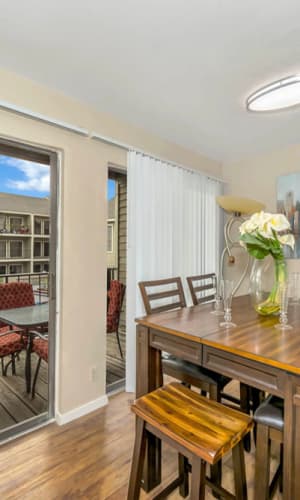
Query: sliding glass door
{"points": [[28, 242]]}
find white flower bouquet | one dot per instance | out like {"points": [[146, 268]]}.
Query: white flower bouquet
{"points": [[265, 234]]}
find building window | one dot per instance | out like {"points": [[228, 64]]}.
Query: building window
{"points": [[16, 248], [46, 227], [2, 249], [37, 268], [110, 237], [2, 222], [37, 249], [46, 268], [15, 269], [15, 224], [37, 226], [46, 248], [2, 269]]}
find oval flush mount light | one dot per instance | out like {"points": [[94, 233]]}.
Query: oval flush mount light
{"points": [[282, 94]]}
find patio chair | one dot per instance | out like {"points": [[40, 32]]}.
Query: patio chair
{"points": [[115, 301], [12, 341], [40, 348]]}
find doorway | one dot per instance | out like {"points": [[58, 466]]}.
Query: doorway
{"points": [[116, 272], [28, 242]]}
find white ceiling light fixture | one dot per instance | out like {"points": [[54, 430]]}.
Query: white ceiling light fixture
{"points": [[282, 94]]}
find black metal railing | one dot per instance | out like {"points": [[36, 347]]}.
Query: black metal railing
{"points": [[39, 282]]}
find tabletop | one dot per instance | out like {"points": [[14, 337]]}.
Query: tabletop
{"points": [[26, 317], [255, 337]]}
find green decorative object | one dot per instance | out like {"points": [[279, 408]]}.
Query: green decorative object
{"points": [[264, 235]]}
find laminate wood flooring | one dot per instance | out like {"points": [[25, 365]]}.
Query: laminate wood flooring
{"points": [[87, 459]]}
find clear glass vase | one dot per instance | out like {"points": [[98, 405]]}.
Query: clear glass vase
{"points": [[265, 279]]}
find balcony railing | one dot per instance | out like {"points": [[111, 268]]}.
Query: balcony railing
{"points": [[25, 255], [39, 282]]}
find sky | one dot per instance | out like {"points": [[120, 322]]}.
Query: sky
{"points": [[111, 189], [24, 177], [31, 179]]}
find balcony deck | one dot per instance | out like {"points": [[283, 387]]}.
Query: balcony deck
{"points": [[115, 366], [15, 404]]}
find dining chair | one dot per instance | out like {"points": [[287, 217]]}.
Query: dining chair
{"points": [[115, 301], [199, 429], [269, 420], [166, 295], [203, 288], [12, 341]]}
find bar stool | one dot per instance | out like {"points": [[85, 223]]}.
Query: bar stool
{"points": [[198, 428], [269, 418]]}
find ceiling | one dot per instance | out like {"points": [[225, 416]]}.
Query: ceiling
{"points": [[180, 69]]}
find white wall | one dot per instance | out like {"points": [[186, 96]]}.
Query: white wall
{"points": [[82, 341], [256, 178]]}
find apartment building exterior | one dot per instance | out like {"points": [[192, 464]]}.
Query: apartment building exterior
{"points": [[24, 234]]}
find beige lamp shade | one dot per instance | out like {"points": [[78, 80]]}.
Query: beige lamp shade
{"points": [[239, 205]]}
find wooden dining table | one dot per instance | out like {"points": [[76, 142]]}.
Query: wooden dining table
{"points": [[253, 352]]}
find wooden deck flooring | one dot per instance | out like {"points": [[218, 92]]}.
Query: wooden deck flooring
{"points": [[115, 366], [88, 459], [15, 404]]}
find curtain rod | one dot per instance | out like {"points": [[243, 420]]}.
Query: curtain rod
{"points": [[7, 106], [128, 147]]}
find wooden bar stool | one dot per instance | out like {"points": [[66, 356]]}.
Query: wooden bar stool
{"points": [[269, 418], [199, 429]]}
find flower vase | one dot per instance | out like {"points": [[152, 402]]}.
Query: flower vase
{"points": [[265, 279]]}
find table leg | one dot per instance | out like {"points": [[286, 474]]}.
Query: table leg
{"points": [[291, 449], [28, 362], [148, 378]]}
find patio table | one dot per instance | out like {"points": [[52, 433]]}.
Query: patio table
{"points": [[27, 318]]}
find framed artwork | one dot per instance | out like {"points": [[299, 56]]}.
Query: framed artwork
{"points": [[288, 203]]}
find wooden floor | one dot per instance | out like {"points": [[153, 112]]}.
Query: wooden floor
{"points": [[115, 365], [86, 459], [15, 404]]}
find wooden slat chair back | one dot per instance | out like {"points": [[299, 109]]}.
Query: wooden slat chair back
{"points": [[203, 288], [168, 295]]}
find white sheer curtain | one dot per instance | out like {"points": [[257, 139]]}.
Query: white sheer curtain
{"points": [[174, 229]]}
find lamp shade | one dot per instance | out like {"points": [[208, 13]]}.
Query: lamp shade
{"points": [[239, 205]]}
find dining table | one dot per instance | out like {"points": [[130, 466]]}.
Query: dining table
{"points": [[27, 319], [253, 352]]}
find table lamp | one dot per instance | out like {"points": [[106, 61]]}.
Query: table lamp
{"points": [[237, 208]]}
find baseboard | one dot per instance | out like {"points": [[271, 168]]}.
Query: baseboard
{"points": [[80, 411]]}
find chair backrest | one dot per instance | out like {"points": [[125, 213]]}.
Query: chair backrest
{"points": [[116, 296], [203, 288], [168, 295], [15, 294]]}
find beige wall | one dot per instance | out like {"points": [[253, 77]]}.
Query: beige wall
{"points": [[256, 178], [82, 338]]}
